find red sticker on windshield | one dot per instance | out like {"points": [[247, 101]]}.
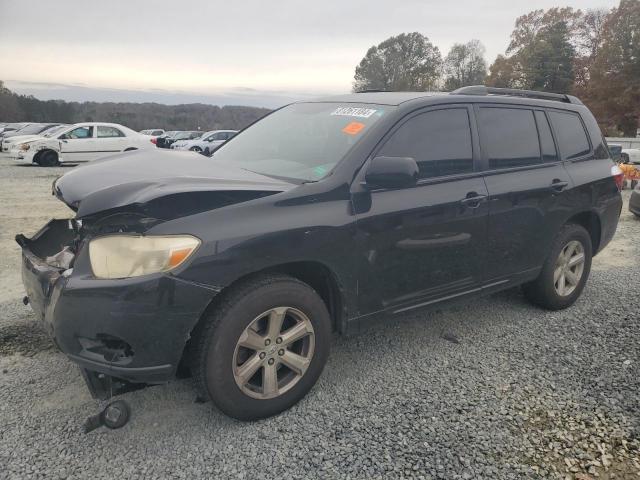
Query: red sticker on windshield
{"points": [[353, 128]]}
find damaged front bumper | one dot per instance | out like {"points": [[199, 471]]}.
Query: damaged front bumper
{"points": [[133, 329], [21, 156]]}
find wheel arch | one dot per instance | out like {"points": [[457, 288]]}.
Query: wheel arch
{"points": [[592, 224], [324, 281], [315, 274], [42, 151]]}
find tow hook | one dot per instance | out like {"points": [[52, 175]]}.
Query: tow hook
{"points": [[115, 415]]}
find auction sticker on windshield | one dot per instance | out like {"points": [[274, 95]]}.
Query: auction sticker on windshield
{"points": [[353, 128], [354, 112]]}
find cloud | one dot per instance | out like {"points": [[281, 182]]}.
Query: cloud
{"points": [[208, 47]]}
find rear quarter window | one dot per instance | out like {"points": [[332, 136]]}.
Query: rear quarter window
{"points": [[572, 137]]}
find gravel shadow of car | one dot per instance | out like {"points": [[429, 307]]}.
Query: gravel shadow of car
{"points": [[25, 339]]}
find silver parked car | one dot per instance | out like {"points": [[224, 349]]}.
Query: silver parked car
{"points": [[207, 143]]}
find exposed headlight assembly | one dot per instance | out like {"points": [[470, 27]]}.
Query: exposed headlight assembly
{"points": [[124, 256], [24, 147]]}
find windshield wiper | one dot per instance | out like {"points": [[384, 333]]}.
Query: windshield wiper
{"points": [[298, 181]]}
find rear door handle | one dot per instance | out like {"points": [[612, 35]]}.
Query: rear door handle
{"points": [[473, 200], [559, 185]]}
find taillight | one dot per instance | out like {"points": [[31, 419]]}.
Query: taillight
{"points": [[618, 176], [154, 140]]}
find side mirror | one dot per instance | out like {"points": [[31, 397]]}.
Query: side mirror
{"points": [[391, 172]]}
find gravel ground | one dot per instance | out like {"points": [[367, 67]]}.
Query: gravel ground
{"points": [[496, 390]]}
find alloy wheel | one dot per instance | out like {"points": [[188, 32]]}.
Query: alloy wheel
{"points": [[569, 268], [273, 352]]}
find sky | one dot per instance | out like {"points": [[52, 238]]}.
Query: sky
{"points": [[253, 52]]}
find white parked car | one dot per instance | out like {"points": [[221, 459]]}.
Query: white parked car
{"points": [[207, 143], [631, 156], [81, 142], [7, 144], [12, 127]]}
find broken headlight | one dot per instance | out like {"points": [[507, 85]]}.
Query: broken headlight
{"points": [[24, 146], [124, 256]]}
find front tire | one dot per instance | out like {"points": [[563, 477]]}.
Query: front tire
{"points": [[263, 347], [565, 272], [48, 158]]}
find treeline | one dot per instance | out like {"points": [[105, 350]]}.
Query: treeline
{"points": [[594, 54], [19, 108]]}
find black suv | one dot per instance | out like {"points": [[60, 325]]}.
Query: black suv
{"points": [[320, 217]]}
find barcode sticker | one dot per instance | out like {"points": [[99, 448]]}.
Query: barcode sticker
{"points": [[354, 112]]}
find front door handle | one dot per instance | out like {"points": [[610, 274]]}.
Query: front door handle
{"points": [[559, 185], [473, 200]]}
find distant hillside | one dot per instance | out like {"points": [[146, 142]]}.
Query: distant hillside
{"points": [[21, 108]]}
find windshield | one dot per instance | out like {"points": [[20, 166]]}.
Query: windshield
{"points": [[303, 141], [53, 130], [208, 135], [185, 135], [32, 129]]}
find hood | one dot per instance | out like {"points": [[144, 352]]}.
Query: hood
{"points": [[21, 138], [160, 184]]}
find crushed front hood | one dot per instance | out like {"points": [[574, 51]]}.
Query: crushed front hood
{"points": [[168, 182]]}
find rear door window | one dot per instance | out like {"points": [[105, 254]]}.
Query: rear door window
{"points": [[572, 139], [439, 141], [509, 137], [109, 132]]}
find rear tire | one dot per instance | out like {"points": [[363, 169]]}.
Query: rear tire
{"points": [[563, 271], [222, 361], [48, 158]]}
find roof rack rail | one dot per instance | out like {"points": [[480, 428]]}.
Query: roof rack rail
{"points": [[514, 92]]}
